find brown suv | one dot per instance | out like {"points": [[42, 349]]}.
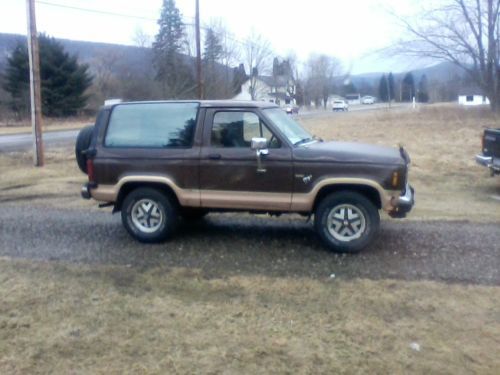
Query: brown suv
{"points": [[158, 161]]}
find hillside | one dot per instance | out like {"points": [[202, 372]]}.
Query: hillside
{"points": [[137, 60]]}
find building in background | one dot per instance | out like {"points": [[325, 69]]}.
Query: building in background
{"points": [[475, 99], [278, 88]]}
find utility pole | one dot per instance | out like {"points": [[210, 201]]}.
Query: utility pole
{"points": [[199, 75], [35, 90], [388, 92]]}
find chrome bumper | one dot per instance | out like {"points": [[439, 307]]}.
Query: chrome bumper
{"points": [[404, 203], [484, 160], [489, 162]]}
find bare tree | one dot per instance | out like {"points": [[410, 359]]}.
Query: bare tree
{"points": [[320, 70], [141, 39], [465, 32], [231, 54], [257, 53]]}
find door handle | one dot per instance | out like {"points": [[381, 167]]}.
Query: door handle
{"points": [[214, 156]]}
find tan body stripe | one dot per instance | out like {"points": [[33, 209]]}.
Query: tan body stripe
{"points": [[302, 202]]}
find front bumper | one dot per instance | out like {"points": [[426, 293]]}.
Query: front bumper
{"points": [[404, 203], [489, 162]]}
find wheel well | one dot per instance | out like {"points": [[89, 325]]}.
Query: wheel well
{"points": [[369, 192], [130, 186]]}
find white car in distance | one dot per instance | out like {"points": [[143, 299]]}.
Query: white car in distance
{"points": [[368, 100], [340, 105]]}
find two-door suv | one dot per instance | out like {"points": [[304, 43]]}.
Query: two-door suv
{"points": [[159, 161]]}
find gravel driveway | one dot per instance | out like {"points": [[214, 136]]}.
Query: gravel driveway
{"points": [[226, 244]]}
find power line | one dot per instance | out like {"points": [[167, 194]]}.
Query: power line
{"points": [[191, 23], [89, 10]]}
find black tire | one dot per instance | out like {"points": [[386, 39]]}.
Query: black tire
{"points": [[363, 223], [193, 214], [83, 143], [166, 209]]}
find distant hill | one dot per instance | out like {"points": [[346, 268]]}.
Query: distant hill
{"points": [[136, 59], [441, 72], [131, 67]]}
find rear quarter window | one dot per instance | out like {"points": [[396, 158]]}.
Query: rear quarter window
{"points": [[154, 125]]}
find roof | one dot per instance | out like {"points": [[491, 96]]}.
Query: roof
{"points": [[209, 103]]}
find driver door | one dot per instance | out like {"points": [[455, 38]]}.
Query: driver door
{"points": [[229, 173]]}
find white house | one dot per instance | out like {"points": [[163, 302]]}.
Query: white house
{"points": [[278, 88], [268, 89], [262, 91], [473, 100]]}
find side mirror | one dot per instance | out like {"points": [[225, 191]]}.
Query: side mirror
{"points": [[259, 143], [260, 147]]}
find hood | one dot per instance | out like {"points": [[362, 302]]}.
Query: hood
{"points": [[348, 152]]}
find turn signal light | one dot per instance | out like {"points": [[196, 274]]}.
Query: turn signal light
{"points": [[395, 179]]}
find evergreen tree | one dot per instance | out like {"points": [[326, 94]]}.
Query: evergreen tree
{"points": [[423, 90], [63, 80], [383, 93], [171, 69], [408, 87], [213, 48], [349, 88], [212, 54]]}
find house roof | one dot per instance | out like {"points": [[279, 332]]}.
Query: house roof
{"points": [[279, 81]]}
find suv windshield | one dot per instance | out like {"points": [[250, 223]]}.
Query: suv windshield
{"points": [[295, 133]]}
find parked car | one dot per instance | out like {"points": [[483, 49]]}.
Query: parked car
{"points": [[340, 105], [490, 155], [156, 162], [368, 100], [291, 109]]}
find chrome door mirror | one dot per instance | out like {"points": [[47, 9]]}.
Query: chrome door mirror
{"points": [[259, 143], [260, 147]]}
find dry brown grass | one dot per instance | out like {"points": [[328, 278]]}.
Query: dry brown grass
{"points": [[442, 141], [56, 184], [56, 318]]}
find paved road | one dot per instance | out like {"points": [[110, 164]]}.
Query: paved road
{"points": [[17, 142], [225, 245]]}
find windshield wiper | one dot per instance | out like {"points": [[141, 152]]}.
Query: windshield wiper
{"points": [[303, 140]]}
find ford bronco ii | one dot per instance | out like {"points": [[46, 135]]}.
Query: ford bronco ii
{"points": [[156, 162]]}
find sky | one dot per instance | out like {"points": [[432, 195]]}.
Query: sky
{"points": [[351, 30]]}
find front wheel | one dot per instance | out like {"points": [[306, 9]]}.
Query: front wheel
{"points": [[346, 221], [149, 215]]}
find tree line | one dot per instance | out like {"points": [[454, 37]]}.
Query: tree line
{"points": [[69, 86]]}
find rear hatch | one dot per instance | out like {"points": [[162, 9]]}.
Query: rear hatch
{"points": [[491, 142]]}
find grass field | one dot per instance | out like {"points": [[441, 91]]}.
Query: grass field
{"points": [[57, 318], [61, 318]]}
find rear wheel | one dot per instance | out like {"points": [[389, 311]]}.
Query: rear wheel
{"points": [[149, 215], [346, 221]]}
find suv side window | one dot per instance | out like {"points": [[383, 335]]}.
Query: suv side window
{"points": [[236, 129], [152, 125]]}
